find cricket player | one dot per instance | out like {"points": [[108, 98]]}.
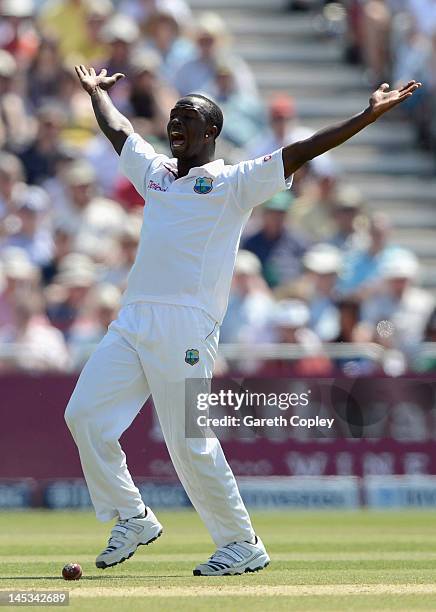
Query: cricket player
{"points": [[168, 327]]}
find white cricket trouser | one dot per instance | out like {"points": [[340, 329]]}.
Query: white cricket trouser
{"points": [[142, 353]]}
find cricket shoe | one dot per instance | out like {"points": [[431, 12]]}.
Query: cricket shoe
{"points": [[235, 558], [125, 538]]}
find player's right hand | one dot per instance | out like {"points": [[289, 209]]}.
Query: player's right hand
{"points": [[90, 80]]}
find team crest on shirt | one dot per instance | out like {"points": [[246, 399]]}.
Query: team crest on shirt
{"points": [[203, 185], [192, 356]]}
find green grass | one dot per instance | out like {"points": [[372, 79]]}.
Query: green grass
{"points": [[320, 561]]}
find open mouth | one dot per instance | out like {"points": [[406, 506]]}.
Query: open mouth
{"points": [[177, 139]]}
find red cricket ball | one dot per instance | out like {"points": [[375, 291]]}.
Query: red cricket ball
{"points": [[72, 571]]}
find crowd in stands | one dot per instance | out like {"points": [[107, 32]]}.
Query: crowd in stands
{"points": [[314, 266], [395, 39]]}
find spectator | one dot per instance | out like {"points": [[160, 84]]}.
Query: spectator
{"points": [[41, 155], [38, 345], [90, 328], [361, 273], [244, 115], [313, 208], [19, 277], [32, 235], [323, 263], [70, 293], [125, 258], [66, 20], [198, 74], [288, 325], [346, 213], [250, 301], [120, 33], [63, 241], [149, 97], [17, 32], [278, 248], [283, 128], [98, 13], [142, 10], [397, 315], [11, 177], [45, 72], [164, 31], [14, 121], [426, 361]]}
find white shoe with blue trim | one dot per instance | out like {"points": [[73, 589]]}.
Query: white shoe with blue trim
{"points": [[125, 538], [235, 558]]}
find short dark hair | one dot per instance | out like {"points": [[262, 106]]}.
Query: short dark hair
{"points": [[212, 111]]}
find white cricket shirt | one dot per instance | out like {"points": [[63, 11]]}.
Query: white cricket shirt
{"points": [[192, 225]]}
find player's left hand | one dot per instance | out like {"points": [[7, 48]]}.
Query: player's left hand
{"points": [[382, 100]]}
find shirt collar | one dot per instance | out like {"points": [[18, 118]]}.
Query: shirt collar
{"points": [[212, 168]]}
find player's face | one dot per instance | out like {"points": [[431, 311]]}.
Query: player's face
{"points": [[187, 130]]}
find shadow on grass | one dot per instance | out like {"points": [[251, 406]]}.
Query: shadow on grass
{"points": [[99, 577]]}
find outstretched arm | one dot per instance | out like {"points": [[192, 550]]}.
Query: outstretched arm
{"points": [[381, 101], [112, 123]]}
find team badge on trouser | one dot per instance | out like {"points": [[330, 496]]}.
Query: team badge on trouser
{"points": [[203, 185], [192, 356]]}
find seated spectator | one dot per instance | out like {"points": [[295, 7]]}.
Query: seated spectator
{"points": [[279, 249], [426, 360], [164, 32], [11, 177], [397, 315], [323, 263], [38, 346], [312, 210], [70, 292], [41, 155], [121, 34], [19, 276], [349, 317], [98, 12], [17, 31], [15, 124], [346, 212], [244, 115], [91, 327], [423, 13], [44, 72], [83, 210], [283, 128], [78, 181], [63, 241], [250, 301], [149, 97], [101, 155], [198, 74], [125, 257], [376, 28], [141, 10], [32, 233], [66, 19], [75, 104], [288, 325], [361, 272]]}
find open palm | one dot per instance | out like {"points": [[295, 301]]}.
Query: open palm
{"points": [[382, 100], [90, 80]]}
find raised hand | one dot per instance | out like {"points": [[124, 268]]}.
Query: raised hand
{"points": [[90, 80], [382, 100]]}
